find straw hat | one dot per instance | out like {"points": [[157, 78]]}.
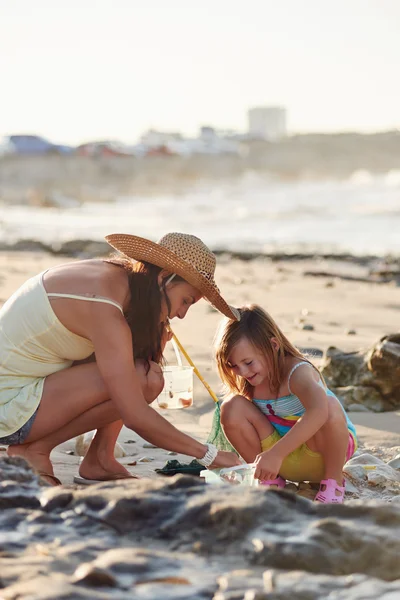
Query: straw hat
{"points": [[183, 254]]}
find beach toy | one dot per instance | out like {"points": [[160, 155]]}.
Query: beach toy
{"points": [[216, 436], [238, 475], [178, 384]]}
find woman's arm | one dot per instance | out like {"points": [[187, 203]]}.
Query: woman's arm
{"points": [[112, 341]]}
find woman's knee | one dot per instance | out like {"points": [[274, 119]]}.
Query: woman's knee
{"points": [[151, 378], [233, 410]]}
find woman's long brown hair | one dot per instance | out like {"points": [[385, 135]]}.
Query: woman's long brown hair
{"points": [[144, 312], [258, 327]]}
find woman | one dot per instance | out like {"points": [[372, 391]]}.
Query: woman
{"points": [[119, 310]]}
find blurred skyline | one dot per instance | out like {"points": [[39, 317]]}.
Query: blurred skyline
{"points": [[84, 69]]}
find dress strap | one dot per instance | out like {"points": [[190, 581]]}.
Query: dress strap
{"points": [[88, 298], [293, 370]]}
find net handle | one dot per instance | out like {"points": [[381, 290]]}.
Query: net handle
{"points": [[191, 363]]}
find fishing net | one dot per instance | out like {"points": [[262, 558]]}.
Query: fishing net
{"points": [[217, 435]]}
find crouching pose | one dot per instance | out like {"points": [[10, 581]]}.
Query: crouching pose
{"points": [[279, 413]]}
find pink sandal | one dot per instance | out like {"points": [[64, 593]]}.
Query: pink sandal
{"points": [[328, 495], [278, 482]]}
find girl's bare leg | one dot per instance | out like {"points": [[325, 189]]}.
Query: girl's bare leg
{"points": [[331, 441], [245, 426]]}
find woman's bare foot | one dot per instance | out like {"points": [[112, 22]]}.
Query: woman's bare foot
{"points": [[101, 467], [38, 458]]}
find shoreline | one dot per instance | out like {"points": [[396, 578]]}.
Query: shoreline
{"points": [[92, 248]]}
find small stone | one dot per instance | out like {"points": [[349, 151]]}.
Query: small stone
{"points": [[171, 453], [148, 445], [375, 478], [308, 327], [357, 408], [304, 485], [132, 464], [238, 280], [70, 452], [350, 487], [395, 463], [145, 459], [329, 284], [291, 487], [130, 442], [94, 576], [351, 332], [305, 312]]}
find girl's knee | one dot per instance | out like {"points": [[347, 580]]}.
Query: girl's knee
{"points": [[233, 410], [336, 415]]}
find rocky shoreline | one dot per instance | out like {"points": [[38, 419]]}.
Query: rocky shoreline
{"points": [[89, 248], [179, 539]]}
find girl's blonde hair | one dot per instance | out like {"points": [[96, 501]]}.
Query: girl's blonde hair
{"points": [[258, 327]]}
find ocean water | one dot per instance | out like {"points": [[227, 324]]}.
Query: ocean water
{"points": [[360, 215]]}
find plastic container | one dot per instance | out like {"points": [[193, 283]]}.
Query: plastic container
{"points": [[239, 475], [178, 385]]}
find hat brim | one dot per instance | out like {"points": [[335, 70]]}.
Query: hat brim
{"points": [[145, 250]]}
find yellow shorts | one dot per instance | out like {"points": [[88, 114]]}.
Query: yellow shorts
{"points": [[302, 464]]}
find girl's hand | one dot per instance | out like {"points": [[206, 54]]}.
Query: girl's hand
{"points": [[225, 459], [268, 465]]}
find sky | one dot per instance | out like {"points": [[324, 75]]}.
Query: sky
{"points": [[75, 70]]}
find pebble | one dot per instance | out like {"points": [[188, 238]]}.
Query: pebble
{"points": [[70, 452], [357, 408], [329, 284], [171, 453], [94, 576], [145, 459], [395, 462], [308, 327], [149, 445], [130, 442], [375, 478], [351, 332]]}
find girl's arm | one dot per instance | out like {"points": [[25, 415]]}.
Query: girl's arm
{"points": [[315, 401]]}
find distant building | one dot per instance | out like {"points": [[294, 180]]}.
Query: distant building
{"points": [[267, 122]]}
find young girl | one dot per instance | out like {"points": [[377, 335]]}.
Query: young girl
{"points": [[280, 405]]}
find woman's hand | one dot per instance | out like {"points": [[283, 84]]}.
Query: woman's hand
{"points": [[225, 459], [268, 464]]}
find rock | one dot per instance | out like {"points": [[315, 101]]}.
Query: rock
{"points": [[351, 332], [354, 473], [361, 395], [148, 445], [171, 453], [354, 407], [383, 360], [90, 575], [308, 327], [145, 459], [175, 538], [375, 478], [374, 470], [369, 378], [395, 462]]}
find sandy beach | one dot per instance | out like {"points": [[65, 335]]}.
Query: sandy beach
{"points": [[332, 306]]}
